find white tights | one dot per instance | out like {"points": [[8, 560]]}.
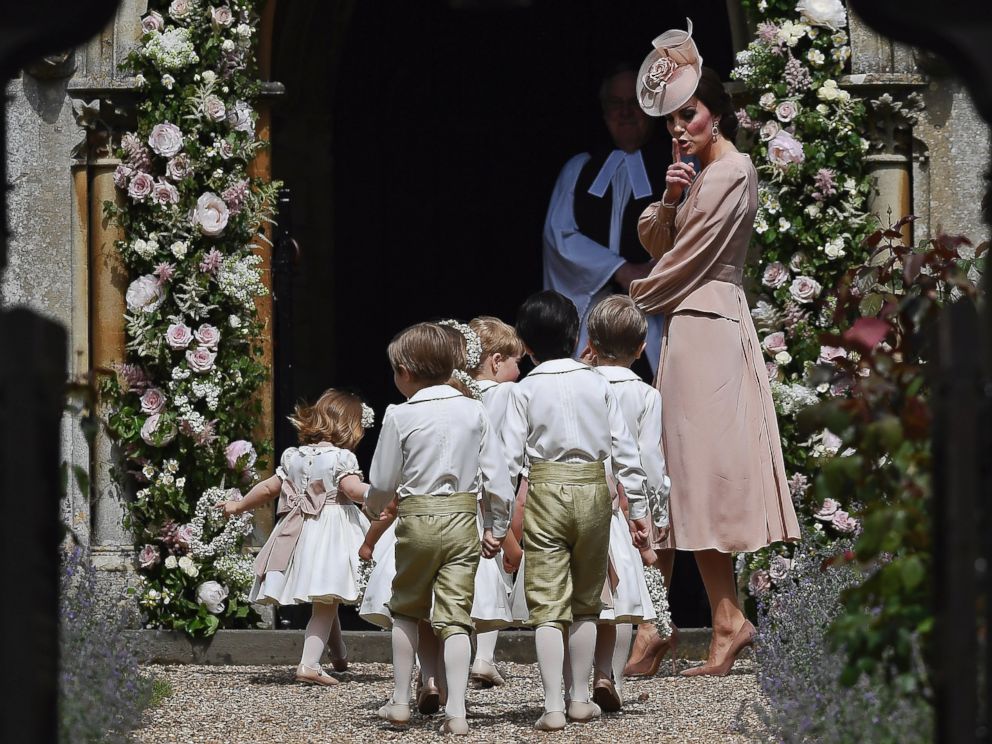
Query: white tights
{"points": [[457, 653], [485, 645], [550, 657], [318, 630], [581, 648]]}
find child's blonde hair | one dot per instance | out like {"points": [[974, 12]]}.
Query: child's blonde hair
{"points": [[496, 337], [425, 351], [617, 327], [336, 417]]}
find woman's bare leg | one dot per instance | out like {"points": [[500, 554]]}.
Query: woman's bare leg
{"points": [[717, 572]]}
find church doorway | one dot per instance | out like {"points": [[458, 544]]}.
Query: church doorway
{"points": [[421, 142]]}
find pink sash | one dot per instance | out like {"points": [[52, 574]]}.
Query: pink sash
{"points": [[278, 549]]}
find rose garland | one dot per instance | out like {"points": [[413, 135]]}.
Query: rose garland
{"points": [[184, 404], [810, 227]]}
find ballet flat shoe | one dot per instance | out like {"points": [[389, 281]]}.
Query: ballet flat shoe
{"points": [[397, 714], [647, 665], [485, 674], [580, 712], [428, 700], [605, 695], [456, 726], [317, 676], [743, 638], [551, 720]]}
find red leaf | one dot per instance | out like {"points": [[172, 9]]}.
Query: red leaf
{"points": [[866, 333]]}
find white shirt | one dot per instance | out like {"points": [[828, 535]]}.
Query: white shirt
{"points": [[564, 412], [576, 265], [495, 397], [438, 443], [641, 407]]}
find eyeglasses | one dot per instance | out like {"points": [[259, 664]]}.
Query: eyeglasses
{"points": [[614, 103]]}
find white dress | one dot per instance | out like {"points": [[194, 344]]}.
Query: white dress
{"points": [[491, 604], [324, 564], [379, 590], [631, 600]]}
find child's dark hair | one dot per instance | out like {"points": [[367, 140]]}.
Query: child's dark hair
{"points": [[336, 417], [548, 324]]}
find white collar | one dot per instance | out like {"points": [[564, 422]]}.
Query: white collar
{"points": [[639, 182], [558, 366], [485, 385], [433, 392], [618, 374]]}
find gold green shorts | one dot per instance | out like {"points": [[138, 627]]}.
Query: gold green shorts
{"points": [[567, 541], [437, 554]]}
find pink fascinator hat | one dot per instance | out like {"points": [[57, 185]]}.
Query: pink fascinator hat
{"points": [[670, 73]]}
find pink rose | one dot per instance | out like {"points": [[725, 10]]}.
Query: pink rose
{"points": [[768, 130], [213, 108], [221, 17], [149, 557], [178, 336], [165, 193], [240, 455], [122, 175], [178, 168], [166, 139], [844, 522], [778, 568], [226, 149], [775, 275], [240, 118], [144, 294], [211, 214], [152, 22], [200, 360], [784, 150], [207, 335], [156, 433], [152, 401], [759, 583], [786, 111], [141, 186], [829, 354], [184, 535], [805, 289], [827, 511], [179, 9], [775, 342]]}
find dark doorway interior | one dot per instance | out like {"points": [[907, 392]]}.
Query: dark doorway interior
{"points": [[421, 141]]}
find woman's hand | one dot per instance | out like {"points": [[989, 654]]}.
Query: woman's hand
{"points": [[230, 508], [678, 178]]}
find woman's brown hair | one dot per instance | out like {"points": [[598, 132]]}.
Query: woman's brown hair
{"points": [[336, 417], [716, 98]]}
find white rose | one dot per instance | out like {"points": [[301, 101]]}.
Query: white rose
{"points": [[227, 45], [783, 225], [805, 289], [168, 81], [834, 248], [209, 76], [822, 108], [171, 562], [813, 210], [212, 596], [178, 249], [211, 214], [165, 139], [243, 30], [185, 562], [144, 294], [768, 130], [234, 321], [828, 91], [767, 101], [826, 13], [783, 358]]}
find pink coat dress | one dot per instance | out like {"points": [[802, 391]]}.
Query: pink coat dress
{"points": [[719, 431]]}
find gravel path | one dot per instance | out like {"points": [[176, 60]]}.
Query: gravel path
{"points": [[240, 705]]}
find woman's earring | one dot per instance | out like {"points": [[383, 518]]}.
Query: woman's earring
{"points": [[715, 132]]}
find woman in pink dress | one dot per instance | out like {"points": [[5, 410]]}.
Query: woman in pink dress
{"points": [[729, 492]]}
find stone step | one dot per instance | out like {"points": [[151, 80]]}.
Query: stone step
{"points": [[262, 647]]}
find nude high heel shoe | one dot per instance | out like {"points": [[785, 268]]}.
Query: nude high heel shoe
{"points": [[656, 650], [743, 638]]}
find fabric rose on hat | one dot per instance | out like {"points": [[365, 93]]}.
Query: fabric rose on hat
{"points": [[212, 595], [825, 13], [200, 359], [774, 342], [178, 336], [211, 214], [144, 294], [240, 455], [207, 335], [775, 275], [152, 401], [165, 139], [805, 289], [784, 150]]}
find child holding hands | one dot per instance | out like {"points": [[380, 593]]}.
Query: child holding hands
{"points": [[312, 554]]}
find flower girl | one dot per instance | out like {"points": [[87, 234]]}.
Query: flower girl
{"points": [[312, 554]]}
